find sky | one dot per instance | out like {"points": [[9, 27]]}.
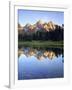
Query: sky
{"points": [[32, 16]]}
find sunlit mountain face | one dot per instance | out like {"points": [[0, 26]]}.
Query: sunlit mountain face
{"points": [[41, 31], [40, 25]]}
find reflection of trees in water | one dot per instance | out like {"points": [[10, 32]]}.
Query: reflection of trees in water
{"points": [[40, 53]]}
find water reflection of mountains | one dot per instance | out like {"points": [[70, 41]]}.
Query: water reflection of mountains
{"points": [[40, 53]]}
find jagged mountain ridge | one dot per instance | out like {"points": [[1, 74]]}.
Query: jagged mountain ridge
{"points": [[39, 25]]}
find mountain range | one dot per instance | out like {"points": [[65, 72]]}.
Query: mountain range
{"points": [[39, 25]]}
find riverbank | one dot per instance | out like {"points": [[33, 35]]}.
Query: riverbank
{"points": [[41, 44]]}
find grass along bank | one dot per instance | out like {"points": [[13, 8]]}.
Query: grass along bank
{"points": [[41, 44]]}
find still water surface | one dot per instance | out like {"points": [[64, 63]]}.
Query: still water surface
{"points": [[38, 63]]}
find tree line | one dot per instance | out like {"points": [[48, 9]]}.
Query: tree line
{"points": [[54, 35]]}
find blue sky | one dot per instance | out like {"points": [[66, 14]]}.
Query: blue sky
{"points": [[30, 16]]}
